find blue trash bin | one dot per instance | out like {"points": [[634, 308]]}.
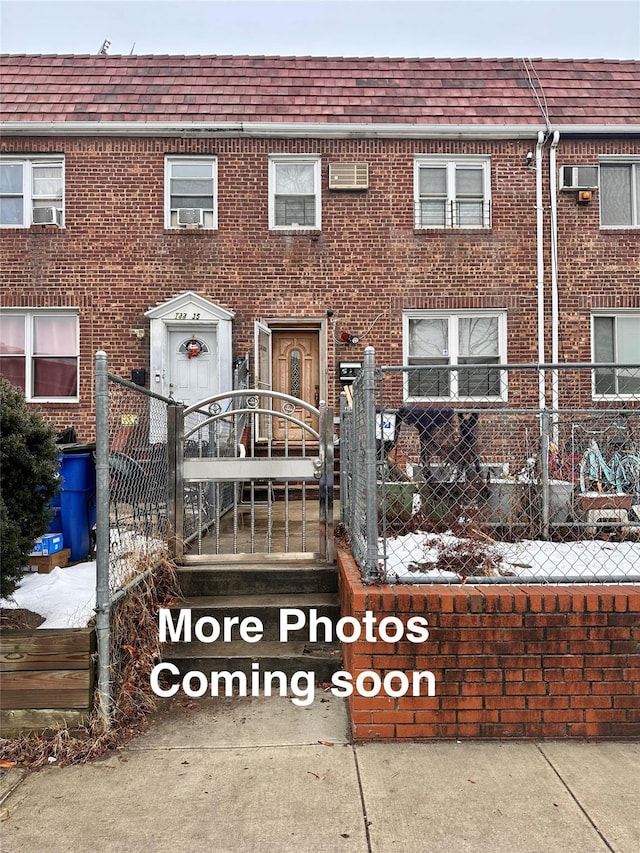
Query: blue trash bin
{"points": [[75, 504]]}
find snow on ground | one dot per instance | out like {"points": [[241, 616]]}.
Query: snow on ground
{"points": [[570, 561], [65, 597]]}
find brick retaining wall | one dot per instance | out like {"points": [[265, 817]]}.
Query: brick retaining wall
{"points": [[509, 661]]}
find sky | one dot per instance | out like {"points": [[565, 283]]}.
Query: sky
{"points": [[584, 29]]}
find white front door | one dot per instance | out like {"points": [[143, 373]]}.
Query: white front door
{"points": [[193, 370], [193, 357]]}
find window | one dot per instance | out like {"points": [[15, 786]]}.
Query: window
{"points": [[452, 193], [31, 192], [620, 194], [39, 353], [616, 338], [191, 192], [461, 340], [294, 192]]}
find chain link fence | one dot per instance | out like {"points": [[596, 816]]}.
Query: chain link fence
{"points": [[139, 486], [522, 474], [135, 502]]}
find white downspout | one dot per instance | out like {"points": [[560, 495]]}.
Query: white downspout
{"points": [[540, 268], [555, 310]]}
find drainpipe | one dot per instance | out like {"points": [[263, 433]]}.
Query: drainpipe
{"points": [[555, 312], [540, 268]]}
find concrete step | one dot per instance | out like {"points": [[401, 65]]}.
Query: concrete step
{"points": [[235, 591], [246, 579], [267, 608], [256, 659]]}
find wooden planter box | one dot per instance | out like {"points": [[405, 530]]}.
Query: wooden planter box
{"points": [[47, 564], [47, 679]]}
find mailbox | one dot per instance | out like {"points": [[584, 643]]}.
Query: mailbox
{"points": [[139, 376], [347, 371]]}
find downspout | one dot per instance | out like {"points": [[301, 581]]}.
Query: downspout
{"points": [[540, 268], [555, 311]]}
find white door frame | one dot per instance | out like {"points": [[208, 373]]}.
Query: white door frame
{"points": [[189, 312]]}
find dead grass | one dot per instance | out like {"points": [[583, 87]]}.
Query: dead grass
{"points": [[472, 555], [135, 649], [19, 619]]}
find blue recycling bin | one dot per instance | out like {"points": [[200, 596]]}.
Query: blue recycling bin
{"points": [[75, 504]]}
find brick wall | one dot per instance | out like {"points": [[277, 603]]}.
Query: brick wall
{"points": [[509, 661], [114, 259]]}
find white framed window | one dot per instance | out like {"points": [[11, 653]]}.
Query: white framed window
{"points": [[39, 353], [191, 190], [450, 347], [615, 339], [452, 192], [31, 191], [620, 192], [294, 192]]}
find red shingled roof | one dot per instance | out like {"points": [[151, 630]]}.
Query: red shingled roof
{"points": [[318, 90]]}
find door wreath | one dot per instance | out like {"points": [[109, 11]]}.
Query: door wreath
{"points": [[194, 348]]}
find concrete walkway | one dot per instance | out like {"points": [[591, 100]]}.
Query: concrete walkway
{"points": [[248, 775]]}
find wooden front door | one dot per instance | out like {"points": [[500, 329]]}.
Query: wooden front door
{"points": [[296, 371]]}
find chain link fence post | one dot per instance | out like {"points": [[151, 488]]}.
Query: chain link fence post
{"points": [[345, 501], [544, 472], [103, 598], [370, 464], [175, 488]]}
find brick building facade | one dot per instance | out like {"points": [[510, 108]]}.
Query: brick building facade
{"points": [[273, 206]]}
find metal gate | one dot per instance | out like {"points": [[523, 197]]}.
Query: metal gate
{"points": [[241, 495]]}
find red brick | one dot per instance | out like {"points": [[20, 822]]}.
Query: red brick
{"points": [[462, 703], [572, 688], [549, 702], [554, 716], [482, 688], [612, 688], [392, 717], [371, 731], [590, 701], [626, 702], [505, 702], [415, 732], [520, 716], [478, 716], [525, 688], [603, 715]]}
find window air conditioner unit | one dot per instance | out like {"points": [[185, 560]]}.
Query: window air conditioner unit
{"points": [[579, 178], [348, 176], [191, 216], [46, 216]]}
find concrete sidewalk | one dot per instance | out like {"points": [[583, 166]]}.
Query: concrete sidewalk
{"points": [[248, 775]]}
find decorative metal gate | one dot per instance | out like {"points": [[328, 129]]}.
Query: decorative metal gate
{"points": [[243, 496]]}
